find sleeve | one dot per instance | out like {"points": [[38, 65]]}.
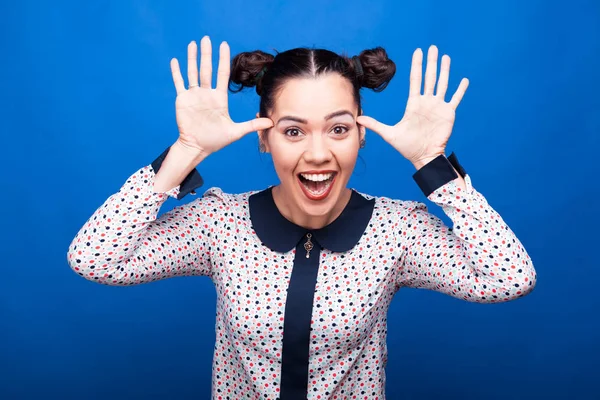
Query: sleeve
{"points": [[479, 259], [191, 182], [124, 243]]}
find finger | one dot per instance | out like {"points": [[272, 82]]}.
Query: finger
{"points": [[416, 72], [177, 78], [431, 70], [192, 64], [223, 71], [257, 124], [205, 63], [460, 92], [442, 85], [373, 124]]}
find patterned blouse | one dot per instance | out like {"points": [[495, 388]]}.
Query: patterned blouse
{"points": [[301, 313]]}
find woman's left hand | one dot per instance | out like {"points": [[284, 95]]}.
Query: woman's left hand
{"points": [[423, 132]]}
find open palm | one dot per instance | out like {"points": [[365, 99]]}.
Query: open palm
{"points": [[201, 111], [423, 132]]}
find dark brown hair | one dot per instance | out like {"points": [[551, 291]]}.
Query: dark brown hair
{"points": [[371, 69]]}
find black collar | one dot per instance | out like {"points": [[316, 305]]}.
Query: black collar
{"points": [[282, 235]]}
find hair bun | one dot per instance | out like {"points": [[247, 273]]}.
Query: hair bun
{"points": [[377, 69], [248, 69]]}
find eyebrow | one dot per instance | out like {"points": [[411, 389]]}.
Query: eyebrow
{"points": [[303, 121]]}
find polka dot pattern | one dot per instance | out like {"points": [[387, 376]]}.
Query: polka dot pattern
{"points": [[478, 260]]}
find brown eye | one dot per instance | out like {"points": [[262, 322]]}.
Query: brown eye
{"points": [[292, 132], [340, 130]]}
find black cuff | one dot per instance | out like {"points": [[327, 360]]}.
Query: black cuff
{"points": [[437, 173], [189, 183]]}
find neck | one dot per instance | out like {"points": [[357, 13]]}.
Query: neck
{"points": [[292, 212]]}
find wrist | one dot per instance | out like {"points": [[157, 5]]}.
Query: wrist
{"points": [[188, 154], [177, 165], [421, 162]]}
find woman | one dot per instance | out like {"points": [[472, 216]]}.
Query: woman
{"points": [[305, 270]]}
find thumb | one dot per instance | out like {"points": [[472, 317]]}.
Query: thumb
{"points": [[372, 124], [257, 124]]}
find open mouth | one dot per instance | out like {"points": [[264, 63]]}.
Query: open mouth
{"points": [[317, 186]]}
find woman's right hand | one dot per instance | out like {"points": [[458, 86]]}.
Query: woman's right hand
{"points": [[202, 112]]}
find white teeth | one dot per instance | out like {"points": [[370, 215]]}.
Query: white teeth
{"points": [[317, 177]]}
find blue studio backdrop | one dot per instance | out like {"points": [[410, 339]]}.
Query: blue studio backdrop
{"points": [[87, 99]]}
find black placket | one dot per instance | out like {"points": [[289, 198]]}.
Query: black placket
{"points": [[297, 321]]}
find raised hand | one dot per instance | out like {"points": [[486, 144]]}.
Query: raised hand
{"points": [[202, 112], [423, 132]]}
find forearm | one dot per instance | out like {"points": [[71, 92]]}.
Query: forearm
{"points": [[481, 258], [106, 248], [124, 243]]}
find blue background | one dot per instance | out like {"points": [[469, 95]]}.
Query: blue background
{"points": [[87, 99]]}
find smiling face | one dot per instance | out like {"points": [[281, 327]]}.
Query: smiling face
{"points": [[314, 145]]}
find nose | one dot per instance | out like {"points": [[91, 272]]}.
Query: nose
{"points": [[318, 151]]}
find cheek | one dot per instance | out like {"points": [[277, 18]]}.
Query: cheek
{"points": [[347, 156], [284, 158], [282, 164]]}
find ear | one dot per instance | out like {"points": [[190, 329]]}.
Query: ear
{"points": [[361, 129], [262, 138]]}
